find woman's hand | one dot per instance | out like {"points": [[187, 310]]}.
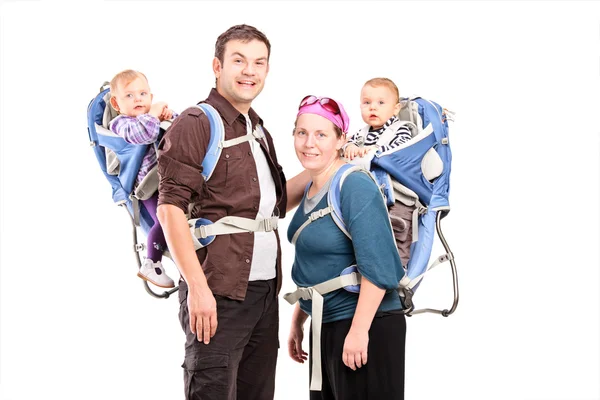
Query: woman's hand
{"points": [[354, 354]]}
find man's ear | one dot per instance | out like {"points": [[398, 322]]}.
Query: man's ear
{"points": [[217, 67], [113, 103]]}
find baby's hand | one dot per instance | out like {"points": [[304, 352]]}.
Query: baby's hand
{"points": [[364, 150], [157, 109], [166, 115], [351, 151]]}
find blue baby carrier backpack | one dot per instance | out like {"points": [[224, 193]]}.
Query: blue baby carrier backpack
{"points": [[417, 175], [120, 163]]}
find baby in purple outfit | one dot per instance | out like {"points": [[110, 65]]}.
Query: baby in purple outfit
{"points": [[139, 123]]}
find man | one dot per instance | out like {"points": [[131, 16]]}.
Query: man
{"points": [[230, 287]]}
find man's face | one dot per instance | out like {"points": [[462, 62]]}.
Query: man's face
{"points": [[242, 75]]}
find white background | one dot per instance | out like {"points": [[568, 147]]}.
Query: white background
{"points": [[523, 79]]}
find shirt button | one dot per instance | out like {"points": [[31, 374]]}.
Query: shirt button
{"points": [[254, 179], [247, 261], [249, 153], [226, 155], [256, 207]]}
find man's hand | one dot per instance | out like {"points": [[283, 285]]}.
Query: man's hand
{"points": [[202, 309]]}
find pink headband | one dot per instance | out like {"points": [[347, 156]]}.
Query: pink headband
{"points": [[326, 108]]}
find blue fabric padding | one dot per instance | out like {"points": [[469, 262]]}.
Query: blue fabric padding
{"points": [[129, 155], [217, 135], [95, 115], [404, 165], [349, 270], [432, 113], [333, 198], [207, 240], [420, 251], [385, 184]]}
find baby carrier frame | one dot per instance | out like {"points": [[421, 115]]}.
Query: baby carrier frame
{"points": [[415, 174], [120, 162]]}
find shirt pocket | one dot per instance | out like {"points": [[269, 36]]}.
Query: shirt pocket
{"points": [[231, 166]]}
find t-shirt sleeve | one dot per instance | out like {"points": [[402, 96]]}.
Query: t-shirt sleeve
{"points": [[366, 217], [181, 152]]}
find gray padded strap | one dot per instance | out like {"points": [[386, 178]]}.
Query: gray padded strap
{"points": [[148, 186], [136, 210], [420, 209], [406, 282]]}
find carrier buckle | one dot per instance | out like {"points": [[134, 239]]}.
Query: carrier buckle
{"points": [[316, 214], [407, 295], [202, 231], [268, 225]]}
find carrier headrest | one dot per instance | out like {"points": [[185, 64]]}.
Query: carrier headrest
{"points": [[409, 111], [109, 112]]}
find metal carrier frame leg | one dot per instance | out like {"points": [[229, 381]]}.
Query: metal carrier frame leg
{"points": [[139, 247], [445, 312]]}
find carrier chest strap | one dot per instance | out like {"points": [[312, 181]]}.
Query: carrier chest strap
{"points": [[312, 217], [316, 293], [256, 134]]}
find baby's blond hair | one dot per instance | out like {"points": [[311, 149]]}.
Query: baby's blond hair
{"points": [[125, 77], [377, 82]]}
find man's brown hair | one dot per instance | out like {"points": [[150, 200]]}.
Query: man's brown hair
{"points": [[243, 33]]}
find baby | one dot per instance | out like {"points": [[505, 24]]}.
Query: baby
{"points": [[380, 104], [139, 123]]}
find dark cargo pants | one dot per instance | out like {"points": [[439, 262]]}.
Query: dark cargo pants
{"points": [[239, 362]]}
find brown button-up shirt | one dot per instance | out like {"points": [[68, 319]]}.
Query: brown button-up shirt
{"points": [[233, 189]]}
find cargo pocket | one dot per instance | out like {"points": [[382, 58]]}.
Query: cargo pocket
{"points": [[206, 376]]}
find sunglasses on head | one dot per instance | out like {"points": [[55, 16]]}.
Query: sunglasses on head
{"points": [[325, 102]]}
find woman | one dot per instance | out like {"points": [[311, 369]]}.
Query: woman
{"points": [[349, 365]]}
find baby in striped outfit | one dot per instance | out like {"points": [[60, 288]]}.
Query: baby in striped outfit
{"points": [[384, 132], [379, 107]]}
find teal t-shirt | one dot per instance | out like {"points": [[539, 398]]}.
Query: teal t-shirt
{"points": [[323, 250]]}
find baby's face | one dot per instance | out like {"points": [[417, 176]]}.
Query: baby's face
{"points": [[377, 105], [133, 98]]}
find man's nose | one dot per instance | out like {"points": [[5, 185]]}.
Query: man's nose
{"points": [[249, 69]]}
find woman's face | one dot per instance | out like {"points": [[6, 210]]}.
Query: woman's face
{"points": [[316, 142]]}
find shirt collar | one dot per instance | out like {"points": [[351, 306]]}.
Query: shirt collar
{"points": [[229, 112]]}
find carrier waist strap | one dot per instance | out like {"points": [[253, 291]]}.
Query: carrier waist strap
{"points": [[316, 293]]}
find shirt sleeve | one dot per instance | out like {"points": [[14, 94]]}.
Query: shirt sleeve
{"points": [[143, 129], [366, 217], [181, 152]]}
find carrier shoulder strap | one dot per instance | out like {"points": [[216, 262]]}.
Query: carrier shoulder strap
{"points": [[333, 200], [217, 139]]}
